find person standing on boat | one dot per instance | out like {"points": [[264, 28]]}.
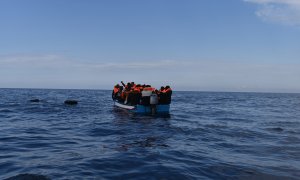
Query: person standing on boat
{"points": [[126, 91], [161, 89], [146, 93], [133, 85], [135, 95], [127, 87], [123, 83], [115, 91], [168, 92], [160, 94], [119, 94]]}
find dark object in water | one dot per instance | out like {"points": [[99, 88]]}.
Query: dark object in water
{"points": [[34, 100], [28, 177], [71, 102], [278, 129]]}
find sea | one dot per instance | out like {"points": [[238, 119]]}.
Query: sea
{"points": [[207, 135]]}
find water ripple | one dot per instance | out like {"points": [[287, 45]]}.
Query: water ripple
{"points": [[206, 136]]}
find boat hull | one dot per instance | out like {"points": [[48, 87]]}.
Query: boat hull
{"points": [[161, 108]]}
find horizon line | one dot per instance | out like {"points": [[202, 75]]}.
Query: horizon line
{"points": [[203, 91]]}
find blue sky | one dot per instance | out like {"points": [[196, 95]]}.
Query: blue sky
{"points": [[207, 45]]}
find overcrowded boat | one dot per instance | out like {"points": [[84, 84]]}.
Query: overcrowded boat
{"points": [[144, 98]]}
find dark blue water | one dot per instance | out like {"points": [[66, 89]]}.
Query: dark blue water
{"points": [[206, 136]]}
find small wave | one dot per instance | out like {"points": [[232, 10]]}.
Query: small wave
{"points": [[28, 177], [207, 136], [275, 129], [149, 142], [4, 110]]}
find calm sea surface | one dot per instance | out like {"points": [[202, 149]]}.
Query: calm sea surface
{"points": [[206, 136]]}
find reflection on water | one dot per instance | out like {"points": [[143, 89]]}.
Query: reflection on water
{"points": [[139, 127]]}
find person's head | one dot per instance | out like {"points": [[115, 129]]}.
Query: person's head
{"points": [[148, 86], [117, 86], [132, 83], [138, 85], [162, 88], [167, 87]]}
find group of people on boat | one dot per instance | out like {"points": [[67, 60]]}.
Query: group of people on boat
{"points": [[133, 94]]}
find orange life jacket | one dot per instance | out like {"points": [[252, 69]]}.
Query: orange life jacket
{"points": [[123, 95], [137, 89], [149, 89], [167, 90], [116, 90]]}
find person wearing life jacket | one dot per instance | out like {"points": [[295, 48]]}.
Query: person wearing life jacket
{"points": [[127, 96], [162, 89], [133, 85], [149, 88], [161, 95], [146, 93], [123, 84], [167, 89], [168, 92], [119, 94], [123, 96], [127, 87], [137, 88], [141, 88], [135, 95], [115, 91]]}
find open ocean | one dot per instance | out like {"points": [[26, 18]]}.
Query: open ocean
{"points": [[207, 135]]}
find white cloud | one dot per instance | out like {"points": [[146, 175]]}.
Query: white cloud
{"points": [[292, 2], [279, 11], [57, 61], [56, 71]]}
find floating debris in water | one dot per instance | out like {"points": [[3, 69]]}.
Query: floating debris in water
{"points": [[35, 100], [277, 129], [71, 102]]}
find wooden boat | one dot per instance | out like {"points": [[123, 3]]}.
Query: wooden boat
{"points": [[152, 109]]}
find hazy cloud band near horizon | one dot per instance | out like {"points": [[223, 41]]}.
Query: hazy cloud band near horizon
{"points": [[46, 71]]}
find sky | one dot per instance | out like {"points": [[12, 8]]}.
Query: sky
{"points": [[199, 45]]}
